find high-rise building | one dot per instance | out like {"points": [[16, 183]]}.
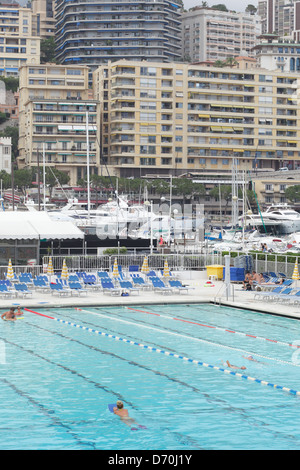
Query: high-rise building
{"points": [[181, 118], [209, 34], [281, 17], [94, 32], [44, 23], [18, 44], [58, 119]]}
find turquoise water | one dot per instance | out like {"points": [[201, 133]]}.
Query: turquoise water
{"points": [[56, 379]]}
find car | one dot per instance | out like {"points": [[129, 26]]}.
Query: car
{"points": [[284, 168]]}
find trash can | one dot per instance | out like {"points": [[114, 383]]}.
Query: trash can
{"points": [[215, 270]]}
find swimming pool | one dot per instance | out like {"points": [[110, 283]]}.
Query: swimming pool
{"points": [[58, 377]]}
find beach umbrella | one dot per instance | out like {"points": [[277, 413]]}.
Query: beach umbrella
{"points": [[116, 269], [295, 275], [10, 273], [64, 271], [50, 270], [166, 269], [145, 268]]}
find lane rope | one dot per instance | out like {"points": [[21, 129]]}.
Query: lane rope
{"points": [[219, 328], [200, 340], [167, 353]]}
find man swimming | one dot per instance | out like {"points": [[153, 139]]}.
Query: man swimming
{"points": [[231, 366], [124, 415], [10, 315]]}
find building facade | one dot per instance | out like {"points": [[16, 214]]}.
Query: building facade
{"points": [[211, 35], [5, 154], [55, 105], [96, 32], [18, 44], [44, 18], [274, 53], [182, 118]]}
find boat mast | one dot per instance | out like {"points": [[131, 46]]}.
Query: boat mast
{"points": [[88, 165]]}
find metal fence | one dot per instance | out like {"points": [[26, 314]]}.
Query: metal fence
{"points": [[105, 262], [262, 262]]}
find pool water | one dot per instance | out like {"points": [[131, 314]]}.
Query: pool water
{"points": [[56, 379]]}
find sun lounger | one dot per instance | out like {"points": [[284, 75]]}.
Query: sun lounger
{"points": [[177, 285], [127, 285], [159, 286], [139, 281], [22, 290], [108, 287], [6, 293], [77, 289], [265, 295], [59, 289]]}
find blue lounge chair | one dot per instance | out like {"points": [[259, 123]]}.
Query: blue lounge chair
{"points": [[59, 289], [177, 285], [6, 293], [281, 296], [103, 274], [40, 284], [159, 286], [127, 285], [77, 289], [108, 287], [22, 290], [265, 295], [139, 281]]}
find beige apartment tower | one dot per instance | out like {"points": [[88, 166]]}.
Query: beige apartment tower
{"points": [[58, 119], [181, 118], [210, 35], [18, 43]]}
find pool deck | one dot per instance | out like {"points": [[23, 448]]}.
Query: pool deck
{"points": [[198, 293]]}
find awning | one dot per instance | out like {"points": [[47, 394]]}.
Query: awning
{"points": [[21, 225]]}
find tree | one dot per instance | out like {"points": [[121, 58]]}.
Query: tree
{"points": [[220, 6], [251, 9], [293, 193], [48, 50], [54, 177], [23, 179]]}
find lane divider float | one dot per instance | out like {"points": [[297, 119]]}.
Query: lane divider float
{"points": [[168, 353], [226, 330]]}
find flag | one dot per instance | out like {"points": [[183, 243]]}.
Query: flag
{"points": [[145, 267], [10, 273]]}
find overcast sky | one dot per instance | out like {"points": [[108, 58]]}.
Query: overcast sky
{"points": [[236, 5]]}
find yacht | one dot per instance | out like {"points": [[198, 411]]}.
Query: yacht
{"points": [[288, 218]]}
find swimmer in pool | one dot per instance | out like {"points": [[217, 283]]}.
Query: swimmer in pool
{"points": [[9, 316], [123, 413], [19, 311], [231, 366]]}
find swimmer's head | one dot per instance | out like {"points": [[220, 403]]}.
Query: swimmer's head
{"points": [[120, 404]]}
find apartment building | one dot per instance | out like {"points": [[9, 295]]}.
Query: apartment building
{"points": [[181, 118], [279, 16], [55, 105], [92, 33], [5, 154], [275, 53], [270, 187], [18, 45], [44, 18], [210, 35]]}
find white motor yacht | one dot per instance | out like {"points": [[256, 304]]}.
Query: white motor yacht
{"points": [[288, 218]]}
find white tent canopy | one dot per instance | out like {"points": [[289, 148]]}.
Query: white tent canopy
{"points": [[21, 225]]}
